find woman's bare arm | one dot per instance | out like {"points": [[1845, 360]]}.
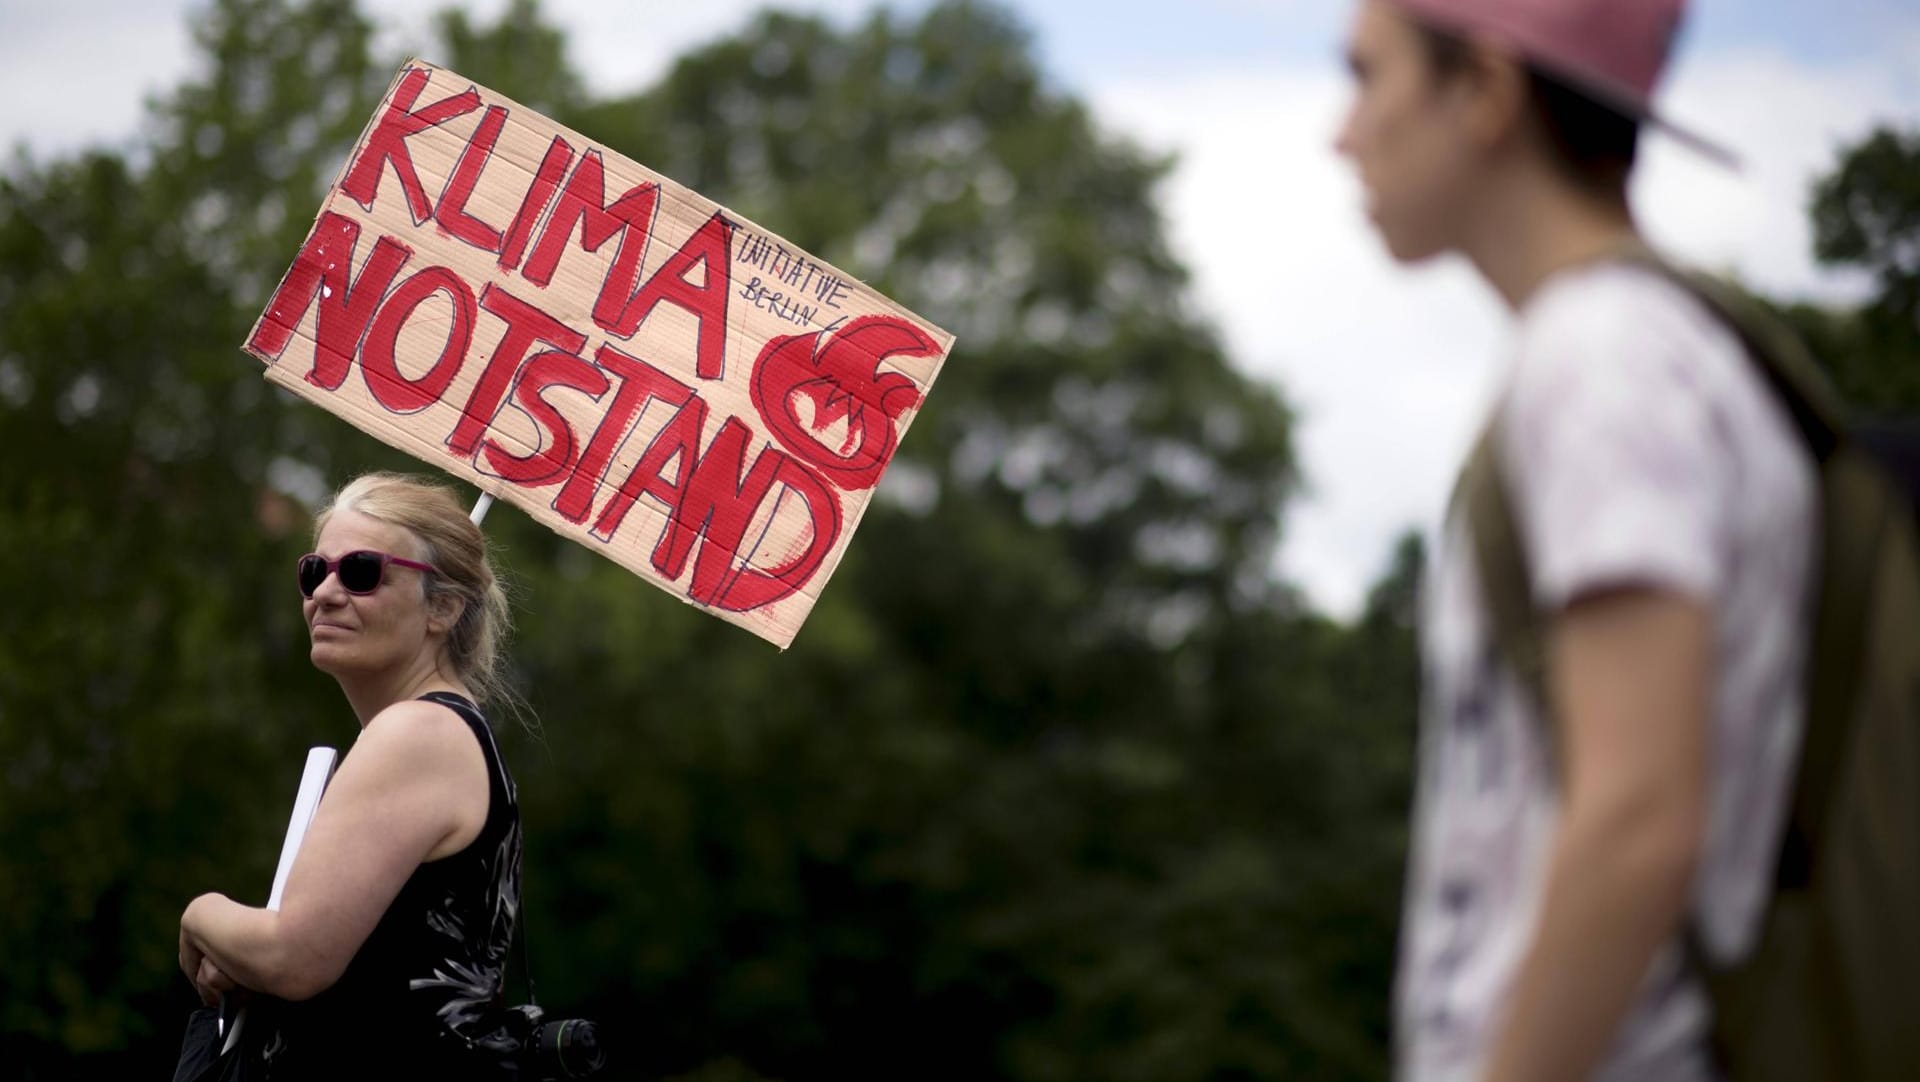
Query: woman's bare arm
{"points": [[413, 788]]}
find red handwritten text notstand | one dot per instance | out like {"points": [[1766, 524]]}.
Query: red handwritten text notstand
{"points": [[632, 364]]}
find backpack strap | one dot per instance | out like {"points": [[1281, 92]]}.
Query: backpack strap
{"points": [[1780, 356], [1506, 574]]}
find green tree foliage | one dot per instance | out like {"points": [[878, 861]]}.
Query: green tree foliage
{"points": [[1058, 782], [152, 695], [1867, 213], [1866, 216]]}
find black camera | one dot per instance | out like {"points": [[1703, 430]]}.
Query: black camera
{"points": [[551, 1051], [567, 1048]]}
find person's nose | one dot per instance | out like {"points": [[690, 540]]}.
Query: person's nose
{"points": [[330, 593], [1343, 142]]}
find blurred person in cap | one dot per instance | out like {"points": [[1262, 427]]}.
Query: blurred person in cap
{"points": [[1668, 507]]}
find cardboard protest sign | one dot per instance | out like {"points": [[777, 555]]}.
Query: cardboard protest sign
{"points": [[632, 364]]}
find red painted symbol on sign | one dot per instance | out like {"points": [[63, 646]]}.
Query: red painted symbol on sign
{"points": [[841, 377]]}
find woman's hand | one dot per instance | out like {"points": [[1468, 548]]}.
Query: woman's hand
{"points": [[212, 983], [208, 979]]}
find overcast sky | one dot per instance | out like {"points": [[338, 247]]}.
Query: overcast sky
{"points": [[1389, 368]]}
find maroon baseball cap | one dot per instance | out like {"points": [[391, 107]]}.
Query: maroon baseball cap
{"points": [[1613, 51]]}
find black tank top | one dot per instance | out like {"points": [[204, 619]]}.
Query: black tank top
{"points": [[425, 991]]}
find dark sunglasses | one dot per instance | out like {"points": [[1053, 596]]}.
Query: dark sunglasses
{"points": [[360, 572]]}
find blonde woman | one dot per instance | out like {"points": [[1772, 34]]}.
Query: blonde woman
{"points": [[387, 955]]}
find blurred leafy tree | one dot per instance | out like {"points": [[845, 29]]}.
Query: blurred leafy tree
{"points": [[153, 693], [1866, 215], [1058, 782], [1013, 811]]}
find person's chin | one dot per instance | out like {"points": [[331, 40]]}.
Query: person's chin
{"points": [[1406, 244], [1413, 255], [329, 653]]}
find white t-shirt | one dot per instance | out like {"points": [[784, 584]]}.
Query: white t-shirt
{"points": [[1640, 446]]}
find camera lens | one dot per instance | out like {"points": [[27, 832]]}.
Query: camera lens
{"points": [[573, 1045]]}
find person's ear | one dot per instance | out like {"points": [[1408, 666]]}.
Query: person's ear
{"points": [[443, 612], [1496, 88]]}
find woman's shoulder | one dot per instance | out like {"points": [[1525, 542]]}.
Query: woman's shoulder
{"points": [[445, 730], [419, 732]]}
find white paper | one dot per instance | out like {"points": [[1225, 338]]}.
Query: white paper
{"points": [[313, 782]]}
